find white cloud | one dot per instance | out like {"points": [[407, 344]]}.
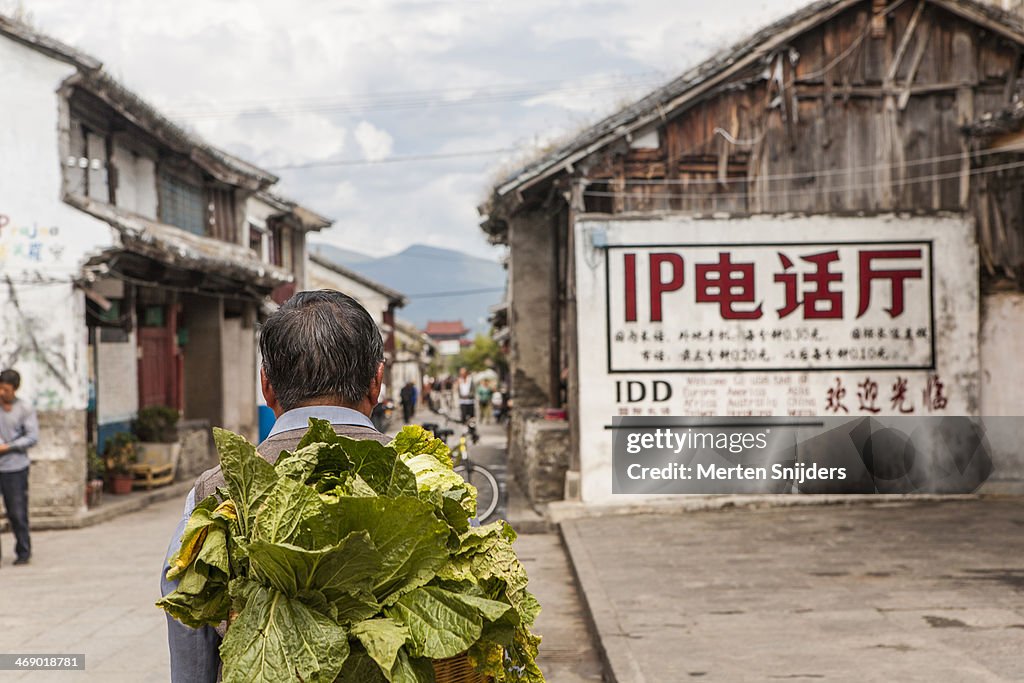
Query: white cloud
{"points": [[375, 143], [345, 195], [319, 57]]}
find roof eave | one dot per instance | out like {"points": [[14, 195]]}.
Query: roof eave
{"points": [[137, 234], [394, 297], [26, 35], [223, 166]]}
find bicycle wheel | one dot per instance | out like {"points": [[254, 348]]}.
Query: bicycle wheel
{"points": [[486, 490]]}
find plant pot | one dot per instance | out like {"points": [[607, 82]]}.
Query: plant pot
{"points": [[157, 453], [121, 483], [93, 492]]}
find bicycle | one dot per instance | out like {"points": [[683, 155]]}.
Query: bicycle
{"points": [[487, 491]]}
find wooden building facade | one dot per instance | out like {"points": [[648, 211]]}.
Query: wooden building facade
{"points": [[846, 107]]}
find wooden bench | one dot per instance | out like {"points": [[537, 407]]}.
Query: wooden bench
{"points": [[157, 465]]}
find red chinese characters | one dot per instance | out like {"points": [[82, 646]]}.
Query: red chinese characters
{"points": [[808, 284], [727, 284], [896, 277], [821, 280]]}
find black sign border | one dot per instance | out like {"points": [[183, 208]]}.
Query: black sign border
{"points": [[930, 243]]}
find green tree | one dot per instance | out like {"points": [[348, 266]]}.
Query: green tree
{"points": [[482, 354]]}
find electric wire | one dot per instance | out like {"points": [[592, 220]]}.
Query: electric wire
{"points": [[811, 190], [411, 100]]}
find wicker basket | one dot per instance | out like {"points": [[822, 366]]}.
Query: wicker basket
{"points": [[457, 669]]}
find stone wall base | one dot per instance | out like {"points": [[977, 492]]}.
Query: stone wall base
{"points": [[56, 478], [197, 451], [539, 455]]}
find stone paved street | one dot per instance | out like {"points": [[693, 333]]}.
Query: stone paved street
{"points": [[91, 591], [913, 592], [567, 653]]}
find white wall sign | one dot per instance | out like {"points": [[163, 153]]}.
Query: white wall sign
{"points": [[772, 316]]}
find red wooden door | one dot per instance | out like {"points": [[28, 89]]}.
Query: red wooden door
{"points": [[158, 367]]}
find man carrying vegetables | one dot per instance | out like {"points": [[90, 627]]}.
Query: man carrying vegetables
{"points": [[328, 556], [323, 357]]}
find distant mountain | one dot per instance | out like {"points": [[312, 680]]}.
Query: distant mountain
{"points": [[440, 273], [345, 257]]}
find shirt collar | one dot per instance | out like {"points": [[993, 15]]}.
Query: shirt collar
{"points": [[298, 418]]}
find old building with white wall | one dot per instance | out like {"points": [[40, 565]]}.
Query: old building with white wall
{"points": [[129, 272]]}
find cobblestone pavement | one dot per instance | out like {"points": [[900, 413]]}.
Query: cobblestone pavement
{"points": [[567, 653], [91, 591], [911, 592]]}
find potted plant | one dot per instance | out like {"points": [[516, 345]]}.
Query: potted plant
{"points": [[156, 425], [120, 452], [157, 429], [95, 469]]}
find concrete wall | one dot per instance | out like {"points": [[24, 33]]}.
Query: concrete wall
{"points": [[136, 182], [116, 363], [531, 243], [197, 451], [42, 240], [239, 377], [57, 474], [1002, 382], [538, 454], [203, 358], [117, 391]]}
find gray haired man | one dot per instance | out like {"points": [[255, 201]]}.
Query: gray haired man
{"points": [[19, 431], [323, 357]]}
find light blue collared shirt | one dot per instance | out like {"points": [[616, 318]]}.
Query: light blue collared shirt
{"points": [[195, 656], [298, 418]]}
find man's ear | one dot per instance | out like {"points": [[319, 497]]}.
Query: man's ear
{"points": [[375, 385], [269, 395]]}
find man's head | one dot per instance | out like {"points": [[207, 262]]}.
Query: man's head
{"points": [[10, 380], [321, 348]]}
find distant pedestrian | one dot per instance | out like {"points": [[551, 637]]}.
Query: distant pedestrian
{"points": [[497, 403], [465, 390], [483, 397], [408, 396], [19, 431], [426, 395]]}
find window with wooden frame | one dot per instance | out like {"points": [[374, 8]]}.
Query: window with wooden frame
{"points": [[87, 163], [182, 203], [274, 243], [257, 237], [221, 213]]}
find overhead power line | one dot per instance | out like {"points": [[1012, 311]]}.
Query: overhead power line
{"points": [[457, 292], [452, 97], [394, 160], [808, 190]]}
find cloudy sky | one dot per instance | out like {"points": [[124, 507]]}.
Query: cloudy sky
{"points": [[334, 96]]}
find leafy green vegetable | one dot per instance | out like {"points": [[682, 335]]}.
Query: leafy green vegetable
{"points": [[352, 561], [441, 624], [380, 467], [382, 638], [415, 440], [346, 568], [277, 638], [249, 477]]}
